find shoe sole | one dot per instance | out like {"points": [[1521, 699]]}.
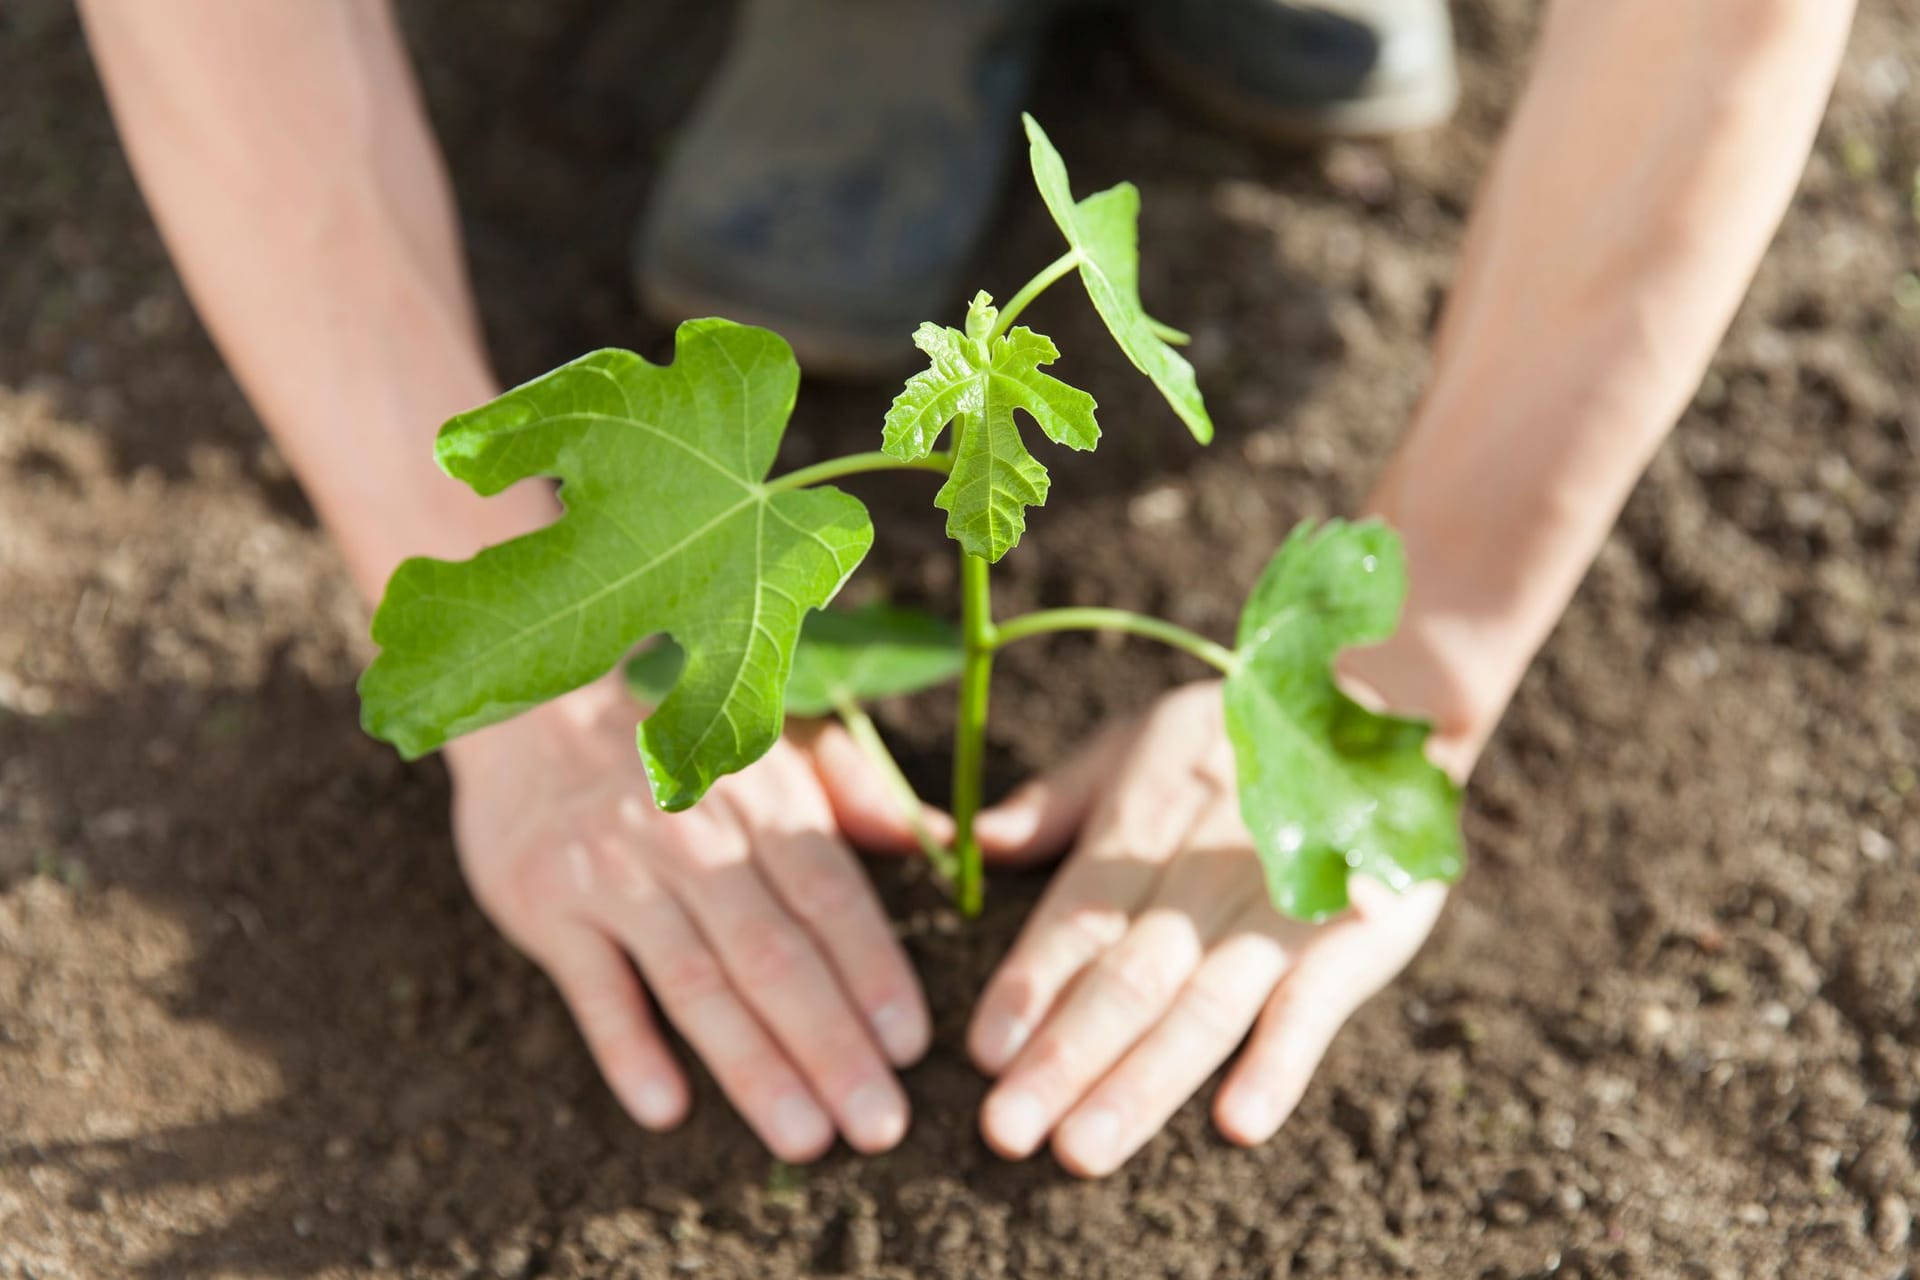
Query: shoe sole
{"points": [[841, 355], [1422, 106]]}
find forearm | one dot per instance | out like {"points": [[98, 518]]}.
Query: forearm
{"points": [[1643, 175], [289, 163]]}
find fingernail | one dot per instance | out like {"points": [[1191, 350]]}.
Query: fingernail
{"points": [[1090, 1138], [1004, 826], [1252, 1114], [902, 1032], [876, 1118], [798, 1126], [656, 1104], [1016, 1122], [1001, 1036]]}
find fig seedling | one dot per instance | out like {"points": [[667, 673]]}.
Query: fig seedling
{"points": [[675, 528]]}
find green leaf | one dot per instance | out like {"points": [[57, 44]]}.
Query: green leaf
{"points": [[668, 527], [845, 656], [1328, 788], [980, 381], [877, 651], [1104, 228]]}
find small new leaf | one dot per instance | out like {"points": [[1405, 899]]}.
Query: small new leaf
{"points": [[1328, 788], [668, 527], [1105, 230], [844, 658], [980, 381]]}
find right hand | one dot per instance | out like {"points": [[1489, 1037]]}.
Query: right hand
{"points": [[748, 917]]}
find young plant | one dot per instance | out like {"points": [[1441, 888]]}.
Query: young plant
{"points": [[674, 528]]}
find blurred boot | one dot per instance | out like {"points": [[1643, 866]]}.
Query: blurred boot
{"points": [[838, 171], [1294, 71]]}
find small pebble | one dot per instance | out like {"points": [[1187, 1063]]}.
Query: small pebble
{"points": [[1892, 1223], [1653, 1020], [1164, 505], [1875, 847], [511, 1260]]}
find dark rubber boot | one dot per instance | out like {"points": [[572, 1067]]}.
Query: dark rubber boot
{"points": [[1301, 71], [839, 170]]}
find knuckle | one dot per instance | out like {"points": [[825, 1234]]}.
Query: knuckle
{"points": [[690, 975], [765, 954], [605, 1019], [690, 844], [1053, 1058], [1214, 1010], [1136, 984], [756, 1076], [524, 889], [824, 895], [1092, 930]]}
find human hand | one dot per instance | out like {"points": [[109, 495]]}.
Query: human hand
{"points": [[1155, 949], [752, 923]]}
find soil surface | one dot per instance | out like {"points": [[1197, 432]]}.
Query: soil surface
{"points": [[251, 1024]]}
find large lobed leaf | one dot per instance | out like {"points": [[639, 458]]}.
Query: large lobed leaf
{"points": [[668, 527], [845, 657], [980, 380], [1328, 788], [1105, 229]]}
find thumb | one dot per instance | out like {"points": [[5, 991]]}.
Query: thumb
{"points": [[1041, 818], [865, 801]]}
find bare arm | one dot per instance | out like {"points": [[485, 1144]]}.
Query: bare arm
{"points": [[1644, 173], [284, 150], [286, 155]]}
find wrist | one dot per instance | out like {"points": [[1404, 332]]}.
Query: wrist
{"points": [[1482, 595]]}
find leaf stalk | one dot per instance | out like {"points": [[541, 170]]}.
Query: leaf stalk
{"points": [[1214, 655], [1033, 289], [854, 464], [861, 727]]}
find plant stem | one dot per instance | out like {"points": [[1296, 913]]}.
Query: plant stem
{"points": [[867, 734], [1033, 289], [854, 464], [969, 735], [1139, 624]]}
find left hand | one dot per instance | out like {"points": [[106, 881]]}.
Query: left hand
{"points": [[1155, 949]]}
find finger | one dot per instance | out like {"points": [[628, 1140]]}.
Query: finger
{"points": [[1207, 1021], [866, 806], [778, 970], [693, 989], [610, 1008], [1117, 999], [1339, 968], [822, 884], [1040, 819], [1089, 906]]}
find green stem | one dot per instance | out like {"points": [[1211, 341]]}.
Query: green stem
{"points": [[854, 464], [1139, 624], [1168, 334], [1033, 289], [970, 729], [867, 734]]}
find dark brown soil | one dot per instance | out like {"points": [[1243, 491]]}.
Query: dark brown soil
{"points": [[250, 1024]]}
